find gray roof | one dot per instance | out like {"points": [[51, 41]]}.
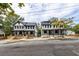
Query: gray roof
{"points": [[45, 23], [28, 23]]}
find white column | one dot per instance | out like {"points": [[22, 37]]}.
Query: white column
{"points": [[29, 33], [17, 33], [53, 32], [59, 32], [48, 32]]}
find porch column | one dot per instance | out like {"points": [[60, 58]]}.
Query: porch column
{"points": [[53, 32], [28, 32], [48, 32], [17, 33], [59, 32], [22, 33]]}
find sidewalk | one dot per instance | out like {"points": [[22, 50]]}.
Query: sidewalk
{"points": [[7, 41], [20, 40]]}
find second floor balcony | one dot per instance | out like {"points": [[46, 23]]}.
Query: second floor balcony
{"points": [[24, 28], [51, 27]]}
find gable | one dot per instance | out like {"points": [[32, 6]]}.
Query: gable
{"points": [[18, 24]]}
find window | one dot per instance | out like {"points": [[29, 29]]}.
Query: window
{"points": [[45, 31], [50, 26], [20, 27], [26, 27], [56, 31], [45, 26], [54, 26], [61, 26], [15, 27], [31, 32], [33, 27]]}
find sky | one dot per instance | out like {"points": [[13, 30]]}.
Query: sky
{"points": [[37, 12]]}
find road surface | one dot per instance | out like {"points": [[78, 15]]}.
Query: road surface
{"points": [[41, 48]]}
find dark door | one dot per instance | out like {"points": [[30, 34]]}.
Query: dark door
{"points": [[56, 32], [20, 32]]}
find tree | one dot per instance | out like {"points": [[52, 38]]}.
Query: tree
{"points": [[61, 22], [76, 28], [7, 27], [5, 8], [11, 16], [8, 22]]}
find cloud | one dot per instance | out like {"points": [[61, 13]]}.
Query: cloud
{"points": [[37, 12]]}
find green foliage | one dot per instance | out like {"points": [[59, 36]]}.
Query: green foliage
{"points": [[11, 17], [1, 19], [7, 27], [61, 22], [39, 32], [21, 5], [76, 28], [8, 22], [5, 8]]}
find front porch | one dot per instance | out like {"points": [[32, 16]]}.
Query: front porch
{"points": [[53, 32], [23, 33]]}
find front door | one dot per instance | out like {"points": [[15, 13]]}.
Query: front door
{"points": [[56, 32]]}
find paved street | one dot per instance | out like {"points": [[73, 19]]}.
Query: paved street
{"points": [[41, 48]]}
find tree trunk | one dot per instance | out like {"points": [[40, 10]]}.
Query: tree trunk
{"points": [[5, 36]]}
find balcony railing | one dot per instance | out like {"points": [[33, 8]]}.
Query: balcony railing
{"points": [[25, 29], [52, 27]]}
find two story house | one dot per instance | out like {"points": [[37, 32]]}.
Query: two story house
{"points": [[30, 28], [48, 29], [24, 28]]}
